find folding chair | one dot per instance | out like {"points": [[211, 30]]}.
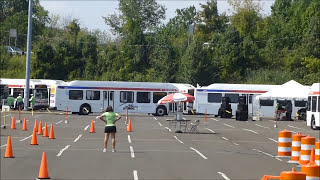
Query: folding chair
{"points": [[194, 127]]}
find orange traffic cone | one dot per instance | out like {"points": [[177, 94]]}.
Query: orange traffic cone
{"points": [[43, 172], [92, 127], [287, 175], [40, 128], [51, 136], [45, 132], [311, 169], [9, 153], [129, 128], [34, 138], [35, 125], [13, 123], [24, 126]]}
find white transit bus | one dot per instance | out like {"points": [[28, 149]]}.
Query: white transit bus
{"points": [[208, 99], [86, 97], [17, 86], [313, 110]]}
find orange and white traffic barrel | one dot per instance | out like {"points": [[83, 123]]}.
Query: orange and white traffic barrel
{"points": [[306, 145], [312, 170], [287, 175], [317, 157], [296, 147], [284, 143], [292, 175]]}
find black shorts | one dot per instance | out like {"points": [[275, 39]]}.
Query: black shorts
{"points": [[110, 129]]}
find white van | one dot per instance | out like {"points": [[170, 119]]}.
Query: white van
{"points": [[313, 111]]}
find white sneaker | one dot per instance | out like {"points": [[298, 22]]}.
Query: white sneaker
{"points": [[113, 150], [104, 150]]}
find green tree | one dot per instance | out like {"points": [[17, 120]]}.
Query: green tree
{"points": [[195, 66], [43, 66], [209, 21], [137, 18]]}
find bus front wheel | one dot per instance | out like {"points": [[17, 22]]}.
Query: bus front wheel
{"points": [[85, 109], [161, 111], [313, 124]]}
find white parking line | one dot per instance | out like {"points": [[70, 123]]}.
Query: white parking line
{"points": [[86, 127], [59, 122], [223, 175], [263, 152], [132, 152], [210, 130], [295, 127], [37, 116], [236, 144], [4, 145], [267, 154], [168, 129], [262, 126], [77, 138], [178, 140], [224, 138], [26, 138], [273, 140], [250, 130], [59, 154], [204, 157], [129, 139], [214, 119], [228, 125], [135, 175], [159, 123], [155, 118]]}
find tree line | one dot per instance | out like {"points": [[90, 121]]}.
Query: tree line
{"points": [[244, 47]]}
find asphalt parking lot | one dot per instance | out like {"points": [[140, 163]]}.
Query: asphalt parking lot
{"points": [[223, 148]]}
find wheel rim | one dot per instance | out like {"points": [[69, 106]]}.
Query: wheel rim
{"points": [[160, 111]]}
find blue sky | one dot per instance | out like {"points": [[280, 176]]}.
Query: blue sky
{"points": [[90, 12]]}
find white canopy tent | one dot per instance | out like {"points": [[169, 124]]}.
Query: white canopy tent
{"points": [[290, 90]]}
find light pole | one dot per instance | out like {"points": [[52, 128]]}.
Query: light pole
{"points": [[26, 92]]}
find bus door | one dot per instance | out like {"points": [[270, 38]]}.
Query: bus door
{"points": [[250, 104], [108, 99], [173, 107]]}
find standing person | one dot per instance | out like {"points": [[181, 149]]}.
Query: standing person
{"points": [[109, 117], [277, 112], [32, 101], [20, 102], [288, 110], [10, 101]]}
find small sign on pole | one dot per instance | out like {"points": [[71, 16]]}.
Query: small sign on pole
{"points": [[13, 33]]}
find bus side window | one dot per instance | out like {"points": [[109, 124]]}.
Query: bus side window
{"points": [[309, 103], [93, 95], [314, 104], [214, 97], [158, 95], [75, 95], [105, 97], [126, 97], [111, 96], [234, 98], [300, 104], [318, 103], [250, 98], [266, 102], [143, 97]]}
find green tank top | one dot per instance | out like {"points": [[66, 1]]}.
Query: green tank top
{"points": [[110, 118]]}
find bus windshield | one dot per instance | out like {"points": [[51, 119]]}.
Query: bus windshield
{"points": [[41, 92]]}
